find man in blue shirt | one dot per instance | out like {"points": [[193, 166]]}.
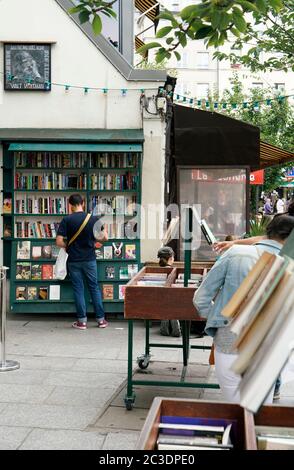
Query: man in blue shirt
{"points": [[82, 260], [219, 286]]}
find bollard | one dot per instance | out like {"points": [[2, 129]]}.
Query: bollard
{"points": [[4, 365]]}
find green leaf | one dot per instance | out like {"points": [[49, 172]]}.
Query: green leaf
{"points": [[239, 21], [203, 32], [261, 5], [169, 40], [215, 19], [225, 19], [146, 47], [188, 11], [76, 9], [166, 15], [164, 31], [84, 16], [276, 4], [97, 25], [178, 56], [248, 5]]}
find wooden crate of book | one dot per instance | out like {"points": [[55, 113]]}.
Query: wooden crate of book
{"points": [[159, 294], [177, 424]]}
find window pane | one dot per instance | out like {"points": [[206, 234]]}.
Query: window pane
{"points": [[202, 59], [221, 194]]}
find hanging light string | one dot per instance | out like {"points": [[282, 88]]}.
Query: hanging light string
{"points": [[67, 86], [207, 103]]}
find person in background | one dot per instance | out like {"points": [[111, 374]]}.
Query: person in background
{"points": [[280, 205], [268, 209], [219, 286], [166, 257], [82, 259]]}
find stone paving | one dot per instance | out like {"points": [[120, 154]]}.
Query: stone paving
{"points": [[68, 393]]}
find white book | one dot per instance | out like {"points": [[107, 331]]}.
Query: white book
{"points": [[270, 358], [192, 427], [256, 303], [54, 292]]}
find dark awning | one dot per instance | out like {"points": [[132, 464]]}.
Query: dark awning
{"points": [[61, 147], [212, 139], [273, 156], [139, 43]]}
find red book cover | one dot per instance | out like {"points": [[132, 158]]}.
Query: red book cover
{"points": [[47, 271]]}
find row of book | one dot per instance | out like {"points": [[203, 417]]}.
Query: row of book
{"points": [[50, 181], [26, 250], [50, 160], [34, 272], [108, 182], [262, 317], [113, 160], [124, 273], [194, 281], [188, 433], [126, 230], [41, 205], [35, 293], [118, 250], [24, 229], [114, 205], [108, 291], [153, 279]]}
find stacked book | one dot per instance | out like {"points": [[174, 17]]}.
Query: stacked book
{"points": [[50, 160], [194, 281], [262, 317], [153, 279], [176, 433]]}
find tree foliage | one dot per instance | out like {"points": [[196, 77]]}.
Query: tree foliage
{"points": [[266, 24], [274, 117]]}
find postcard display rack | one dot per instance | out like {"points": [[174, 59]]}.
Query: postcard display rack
{"points": [[36, 189]]}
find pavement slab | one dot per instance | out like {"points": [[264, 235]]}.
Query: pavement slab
{"points": [[47, 439], [12, 437]]}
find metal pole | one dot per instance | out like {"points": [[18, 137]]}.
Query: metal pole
{"points": [[4, 365]]}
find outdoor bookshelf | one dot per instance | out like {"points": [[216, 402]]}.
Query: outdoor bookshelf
{"points": [[36, 189]]}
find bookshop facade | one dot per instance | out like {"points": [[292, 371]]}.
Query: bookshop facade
{"points": [[84, 132]]}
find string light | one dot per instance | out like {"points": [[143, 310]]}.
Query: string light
{"points": [[86, 90], [105, 91], [67, 87], [124, 92]]}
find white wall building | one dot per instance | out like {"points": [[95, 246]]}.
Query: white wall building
{"points": [[79, 59]]}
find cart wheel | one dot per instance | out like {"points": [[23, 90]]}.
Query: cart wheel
{"points": [[143, 364], [129, 404]]}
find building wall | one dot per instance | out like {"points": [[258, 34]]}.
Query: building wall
{"points": [[77, 61]]}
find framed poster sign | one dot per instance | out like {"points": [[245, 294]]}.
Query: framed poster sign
{"points": [[27, 67]]}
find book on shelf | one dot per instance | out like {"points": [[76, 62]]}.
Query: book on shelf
{"points": [[50, 160], [121, 291], [107, 252], [46, 251], [132, 270], [7, 205], [36, 272], [109, 272], [26, 229], [37, 205], [47, 271], [123, 273], [36, 252], [130, 251], [108, 291], [7, 230], [43, 293], [54, 251], [23, 250], [32, 293], [55, 181], [23, 271], [274, 438], [21, 293], [191, 436], [99, 253], [117, 250], [54, 292]]}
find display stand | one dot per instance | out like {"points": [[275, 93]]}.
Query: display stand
{"points": [[163, 303]]}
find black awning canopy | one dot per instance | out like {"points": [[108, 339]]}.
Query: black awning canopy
{"points": [[211, 139]]}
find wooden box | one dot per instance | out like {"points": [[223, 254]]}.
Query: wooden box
{"points": [[245, 437], [165, 302]]}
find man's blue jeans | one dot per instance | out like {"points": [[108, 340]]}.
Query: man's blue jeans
{"points": [[88, 270]]}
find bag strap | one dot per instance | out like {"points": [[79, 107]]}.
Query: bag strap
{"points": [[80, 229]]}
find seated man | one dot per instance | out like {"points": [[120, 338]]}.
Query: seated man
{"points": [[219, 286]]}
